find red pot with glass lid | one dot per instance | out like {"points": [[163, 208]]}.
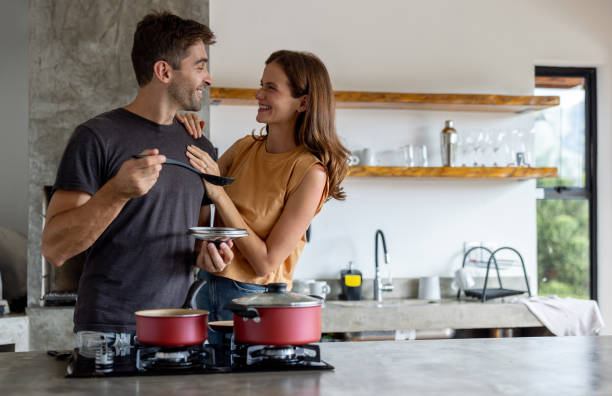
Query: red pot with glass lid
{"points": [[277, 317]]}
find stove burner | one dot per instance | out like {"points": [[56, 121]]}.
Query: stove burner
{"points": [[245, 356], [177, 358], [282, 353]]}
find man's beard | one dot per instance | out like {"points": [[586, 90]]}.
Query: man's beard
{"points": [[184, 96]]}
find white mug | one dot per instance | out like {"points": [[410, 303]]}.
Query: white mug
{"points": [[319, 288], [429, 288], [463, 280], [353, 160], [301, 286]]}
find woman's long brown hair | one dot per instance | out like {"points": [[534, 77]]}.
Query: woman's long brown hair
{"points": [[315, 127]]}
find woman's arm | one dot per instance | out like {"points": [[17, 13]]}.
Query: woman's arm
{"points": [[265, 256], [212, 259]]}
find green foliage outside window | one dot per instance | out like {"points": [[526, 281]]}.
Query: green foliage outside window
{"points": [[563, 247]]}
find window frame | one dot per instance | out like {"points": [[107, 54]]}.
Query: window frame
{"points": [[589, 192]]}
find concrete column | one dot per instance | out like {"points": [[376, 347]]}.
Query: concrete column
{"points": [[79, 66]]}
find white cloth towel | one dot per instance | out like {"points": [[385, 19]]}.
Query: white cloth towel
{"points": [[566, 316]]}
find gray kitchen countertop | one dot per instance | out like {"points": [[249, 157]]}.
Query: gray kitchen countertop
{"points": [[507, 366], [412, 314]]}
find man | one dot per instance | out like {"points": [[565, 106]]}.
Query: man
{"points": [[132, 215]]}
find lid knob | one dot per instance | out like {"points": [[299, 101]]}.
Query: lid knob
{"points": [[277, 287]]}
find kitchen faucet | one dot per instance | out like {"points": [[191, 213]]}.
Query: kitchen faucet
{"points": [[381, 286]]}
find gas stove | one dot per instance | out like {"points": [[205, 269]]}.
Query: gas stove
{"points": [[204, 358], [145, 360]]}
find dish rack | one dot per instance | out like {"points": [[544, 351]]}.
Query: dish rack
{"points": [[489, 293]]}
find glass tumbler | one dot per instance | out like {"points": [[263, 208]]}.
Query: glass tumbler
{"points": [[420, 155]]}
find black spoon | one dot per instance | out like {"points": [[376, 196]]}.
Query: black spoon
{"points": [[212, 179]]}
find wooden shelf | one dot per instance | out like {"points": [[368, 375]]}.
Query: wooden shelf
{"points": [[416, 101], [453, 172]]}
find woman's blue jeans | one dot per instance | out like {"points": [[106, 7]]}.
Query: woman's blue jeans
{"points": [[217, 292]]}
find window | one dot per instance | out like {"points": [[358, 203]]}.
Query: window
{"points": [[565, 137]]}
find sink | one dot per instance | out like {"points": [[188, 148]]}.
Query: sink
{"points": [[375, 304]]}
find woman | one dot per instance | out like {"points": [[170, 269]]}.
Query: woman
{"points": [[282, 180]]}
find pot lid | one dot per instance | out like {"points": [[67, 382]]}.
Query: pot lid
{"points": [[171, 313], [278, 296]]}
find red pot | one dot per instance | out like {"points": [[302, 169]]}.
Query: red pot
{"points": [[277, 317], [171, 327], [174, 326]]}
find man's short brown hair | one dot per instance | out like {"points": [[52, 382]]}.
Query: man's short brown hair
{"points": [[164, 36]]}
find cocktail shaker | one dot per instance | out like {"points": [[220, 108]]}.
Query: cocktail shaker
{"points": [[448, 144]]}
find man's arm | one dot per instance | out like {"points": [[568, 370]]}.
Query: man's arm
{"points": [[75, 219]]}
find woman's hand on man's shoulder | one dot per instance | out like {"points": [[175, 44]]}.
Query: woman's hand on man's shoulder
{"points": [[192, 123]]}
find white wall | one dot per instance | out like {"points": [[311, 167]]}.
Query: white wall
{"points": [[469, 46], [14, 115]]}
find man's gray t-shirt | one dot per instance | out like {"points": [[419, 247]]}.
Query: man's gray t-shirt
{"points": [[143, 259]]}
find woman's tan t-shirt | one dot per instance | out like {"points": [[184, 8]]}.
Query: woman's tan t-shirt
{"points": [[263, 183]]}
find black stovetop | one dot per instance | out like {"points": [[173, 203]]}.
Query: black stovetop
{"points": [[145, 360]]}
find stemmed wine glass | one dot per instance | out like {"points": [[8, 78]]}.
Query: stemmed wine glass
{"points": [[512, 143], [477, 145], [487, 149], [468, 146], [497, 143], [462, 149]]}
